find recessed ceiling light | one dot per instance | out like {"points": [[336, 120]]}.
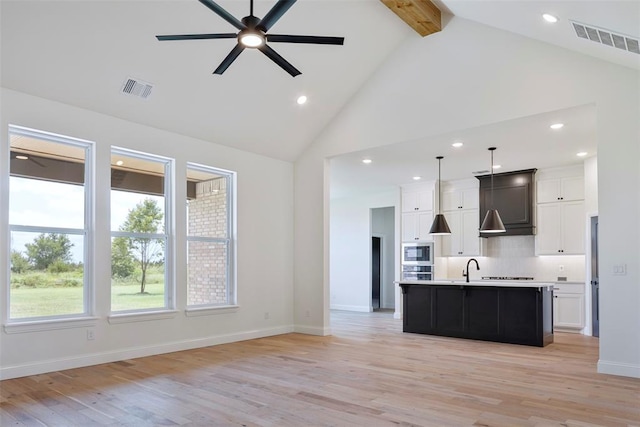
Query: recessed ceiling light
{"points": [[366, 161], [417, 178], [22, 157], [302, 99], [457, 144], [497, 166], [582, 154], [550, 18], [119, 163], [557, 126]]}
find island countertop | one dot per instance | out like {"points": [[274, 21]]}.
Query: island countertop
{"points": [[491, 283]]}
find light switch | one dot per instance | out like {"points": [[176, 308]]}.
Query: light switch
{"points": [[620, 270]]}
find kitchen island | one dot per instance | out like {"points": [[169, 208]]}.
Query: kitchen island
{"points": [[509, 312]]}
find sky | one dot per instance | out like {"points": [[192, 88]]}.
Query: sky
{"points": [[53, 204]]}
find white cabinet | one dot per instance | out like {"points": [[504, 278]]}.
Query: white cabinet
{"points": [[417, 200], [464, 240], [416, 226], [560, 189], [464, 198], [560, 229], [568, 307]]}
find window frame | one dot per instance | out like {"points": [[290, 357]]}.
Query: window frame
{"points": [[168, 236], [87, 232], [229, 240]]}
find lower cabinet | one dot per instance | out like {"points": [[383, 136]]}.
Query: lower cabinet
{"points": [[568, 307], [518, 315]]}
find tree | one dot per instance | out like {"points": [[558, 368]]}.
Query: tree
{"points": [[146, 217], [122, 261], [19, 264], [47, 249]]}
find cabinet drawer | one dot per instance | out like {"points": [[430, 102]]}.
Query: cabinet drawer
{"points": [[568, 288]]}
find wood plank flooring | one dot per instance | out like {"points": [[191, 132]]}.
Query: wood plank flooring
{"points": [[368, 373]]}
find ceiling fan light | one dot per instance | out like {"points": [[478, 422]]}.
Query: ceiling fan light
{"points": [[492, 223], [250, 39], [22, 157]]}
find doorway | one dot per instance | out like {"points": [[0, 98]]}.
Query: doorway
{"points": [[595, 282], [381, 294], [376, 271]]}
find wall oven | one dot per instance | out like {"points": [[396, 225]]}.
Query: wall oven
{"points": [[417, 272], [417, 253]]}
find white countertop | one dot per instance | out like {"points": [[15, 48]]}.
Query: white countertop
{"points": [[499, 283]]}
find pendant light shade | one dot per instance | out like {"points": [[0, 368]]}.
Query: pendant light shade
{"points": [[439, 226], [492, 222]]}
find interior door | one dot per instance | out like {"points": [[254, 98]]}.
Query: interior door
{"points": [[375, 272], [595, 279]]}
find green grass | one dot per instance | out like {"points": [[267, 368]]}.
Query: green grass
{"points": [[52, 295]]}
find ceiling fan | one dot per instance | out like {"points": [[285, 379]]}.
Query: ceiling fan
{"points": [[254, 34], [24, 156]]}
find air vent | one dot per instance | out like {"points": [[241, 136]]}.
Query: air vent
{"points": [[606, 37], [137, 88]]}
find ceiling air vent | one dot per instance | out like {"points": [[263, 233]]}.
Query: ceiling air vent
{"points": [[606, 37], [137, 88]]}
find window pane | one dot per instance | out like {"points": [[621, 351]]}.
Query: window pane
{"points": [[47, 275], [137, 273], [207, 273], [207, 208]]}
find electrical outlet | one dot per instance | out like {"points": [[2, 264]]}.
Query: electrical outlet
{"points": [[91, 335], [266, 315], [561, 267]]}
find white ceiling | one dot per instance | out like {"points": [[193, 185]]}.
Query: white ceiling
{"points": [[81, 52]]}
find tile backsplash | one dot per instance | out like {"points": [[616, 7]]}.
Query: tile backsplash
{"points": [[515, 256]]}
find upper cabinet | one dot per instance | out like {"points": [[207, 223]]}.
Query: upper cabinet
{"points": [[460, 205], [460, 198], [563, 189], [417, 211], [417, 199]]}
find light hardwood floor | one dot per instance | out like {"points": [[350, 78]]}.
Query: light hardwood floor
{"points": [[368, 373]]}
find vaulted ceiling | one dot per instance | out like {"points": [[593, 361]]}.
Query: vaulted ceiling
{"points": [[81, 53]]}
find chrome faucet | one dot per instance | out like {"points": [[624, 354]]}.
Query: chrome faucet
{"points": [[466, 274]]}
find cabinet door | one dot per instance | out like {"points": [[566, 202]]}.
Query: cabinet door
{"points": [[449, 314], [409, 201], [568, 311], [469, 239], [425, 200], [548, 241], [548, 190], [482, 312], [425, 220], [451, 245], [470, 198], [410, 227], [450, 200], [573, 228], [572, 188]]}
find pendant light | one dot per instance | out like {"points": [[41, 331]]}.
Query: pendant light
{"points": [[439, 226], [492, 222]]}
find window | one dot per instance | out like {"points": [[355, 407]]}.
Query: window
{"points": [[209, 232], [140, 200], [49, 206]]}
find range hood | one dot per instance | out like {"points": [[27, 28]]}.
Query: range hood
{"points": [[513, 197]]}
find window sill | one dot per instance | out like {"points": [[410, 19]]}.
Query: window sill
{"points": [[208, 311], [144, 316], [49, 325]]}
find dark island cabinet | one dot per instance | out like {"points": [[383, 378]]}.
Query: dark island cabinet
{"points": [[516, 315]]}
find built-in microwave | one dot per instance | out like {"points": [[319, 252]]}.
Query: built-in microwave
{"points": [[417, 272], [417, 253]]}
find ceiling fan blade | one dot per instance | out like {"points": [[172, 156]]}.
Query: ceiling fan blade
{"points": [[37, 162], [285, 38], [275, 13], [229, 59], [283, 63], [197, 36], [217, 9]]}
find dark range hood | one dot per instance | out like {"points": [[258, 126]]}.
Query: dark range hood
{"points": [[513, 197]]}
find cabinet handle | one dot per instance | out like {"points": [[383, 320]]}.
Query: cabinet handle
{"points": [[555, 296]]}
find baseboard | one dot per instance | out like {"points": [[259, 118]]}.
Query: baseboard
{"points": [[397, 315], [312, 330], [620, 369], [360, 308], [41, 367]]}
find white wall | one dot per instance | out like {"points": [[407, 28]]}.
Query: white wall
{"points": [[350, 248], [470, 75], [264, 246], [383, 224]]}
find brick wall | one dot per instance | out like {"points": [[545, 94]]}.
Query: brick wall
{"points": [[207, 261]]}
